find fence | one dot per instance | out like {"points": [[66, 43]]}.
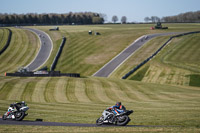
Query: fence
{"points": [[53, 66], [145, 61], [49, 74]]}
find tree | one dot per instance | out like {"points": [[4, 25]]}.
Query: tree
{"points": [[104, 16], [123, 19], [147, 19], [97, 20], [114, 19], [155, 19], [52, 18]]}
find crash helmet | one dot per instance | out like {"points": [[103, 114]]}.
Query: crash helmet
{"points": [[10, 109], [23, 103], [118, 104]]}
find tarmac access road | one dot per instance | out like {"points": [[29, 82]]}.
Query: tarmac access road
{"points": [[112, 65], [46, 46], [40, 123]]}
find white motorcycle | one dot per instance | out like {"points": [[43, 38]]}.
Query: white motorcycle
{"points": [[108, 117], [15, 114]]}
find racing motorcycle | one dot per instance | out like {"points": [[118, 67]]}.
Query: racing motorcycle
{"points": [[109, 117], [15, 114]]}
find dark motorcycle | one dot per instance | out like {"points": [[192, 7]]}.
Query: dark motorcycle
{"points": [[15, 114], [108, 117]]}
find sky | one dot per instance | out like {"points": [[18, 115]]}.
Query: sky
{"points": [[134, 10]]}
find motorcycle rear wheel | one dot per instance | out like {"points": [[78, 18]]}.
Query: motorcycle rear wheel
{"points": [[19, 115], [4, 117], [123, 122]]}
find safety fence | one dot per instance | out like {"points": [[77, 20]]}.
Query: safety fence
{"points": [[145, 61], [46, 74], [53, 66], [8, 41]]}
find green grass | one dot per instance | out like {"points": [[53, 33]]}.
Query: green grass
{"points": [[153, 104], [21, 51], [194, 80], [172, 65], [3, 37], [184, 53], [175, 106], [146, 51], [86, 54], [140, 75], [25, 129]]}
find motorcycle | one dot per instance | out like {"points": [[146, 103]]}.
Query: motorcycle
{"points": [[15, 114], [109, 117]]}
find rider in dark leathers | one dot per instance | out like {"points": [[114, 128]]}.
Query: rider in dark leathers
{"points": [[117, 108]]}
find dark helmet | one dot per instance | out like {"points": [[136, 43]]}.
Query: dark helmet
{"points": [[118, 104]]}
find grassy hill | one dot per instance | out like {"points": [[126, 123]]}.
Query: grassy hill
{"points": [[21, 51], [163, 97], [86, 54], [82, 101], [174, 64], [64, 99], [3, 37]]}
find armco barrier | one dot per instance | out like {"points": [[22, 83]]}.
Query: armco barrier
{"points": [[49, 74], [145, 61], [53, 66], [8, 41]]}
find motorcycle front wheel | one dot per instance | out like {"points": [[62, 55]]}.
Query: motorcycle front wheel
{"points": [[99, 121]]}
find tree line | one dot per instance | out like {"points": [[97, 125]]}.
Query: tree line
{"points": [[52, 18], [188, 17]]}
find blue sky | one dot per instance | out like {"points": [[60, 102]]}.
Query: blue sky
{"points": [[134, 10]]}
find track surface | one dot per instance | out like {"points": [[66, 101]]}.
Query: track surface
{"points": [[37, 123], [46, 47], [108, 68]]}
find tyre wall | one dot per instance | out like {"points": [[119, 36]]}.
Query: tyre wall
{"points": [[53, 66]]}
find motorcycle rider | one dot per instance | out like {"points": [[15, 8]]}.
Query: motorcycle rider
{"points": [[117, 108], [18, 105]]}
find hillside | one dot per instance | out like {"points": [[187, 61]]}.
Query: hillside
{"points": [[3, 37], [86, 54], [160, 97], [174, 65], [62, 99], [21, 51]]}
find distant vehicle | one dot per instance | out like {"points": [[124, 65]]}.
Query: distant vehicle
{"points": [[56, 28], [158, 26]]}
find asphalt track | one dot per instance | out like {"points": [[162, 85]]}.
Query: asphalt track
{"points": [[46, 46], [112, 65], [39, 123]]}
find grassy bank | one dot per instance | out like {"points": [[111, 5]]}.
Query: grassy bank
{"points": [[21, 51], [64, 99], [162, 98], [3, 37], [46, 129], [171, 66]]}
